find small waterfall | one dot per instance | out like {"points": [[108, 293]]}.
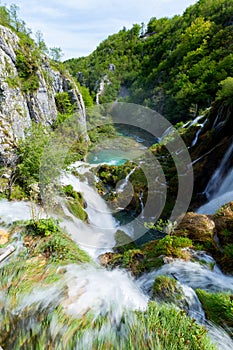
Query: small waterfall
{"points": [[219, 173], [198, 133], [224, 194], [142, 205], [192, 275], [96, 236], [125, 182]]}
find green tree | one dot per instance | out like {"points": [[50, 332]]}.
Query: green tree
{"points": [[30, 151], [225, 93], [56, 53]]}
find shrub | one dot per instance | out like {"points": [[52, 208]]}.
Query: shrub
{"points": [[218, 307]]}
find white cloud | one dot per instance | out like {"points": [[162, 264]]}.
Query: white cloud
{"points": [[77, 26]]}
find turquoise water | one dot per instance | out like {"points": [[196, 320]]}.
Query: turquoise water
{"points": [[116, 151], [111, 157]]}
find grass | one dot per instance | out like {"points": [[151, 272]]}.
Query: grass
{"points": [[218, 307]]}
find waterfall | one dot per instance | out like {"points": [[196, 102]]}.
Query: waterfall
{"points": [[192, 275], [198, 132], [125, 182], [90, 292], [96, 236], [219, 173], [223, 187], [14, 211], [142, 205]]}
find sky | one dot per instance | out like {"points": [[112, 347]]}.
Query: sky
{"points": [[78, 26]]}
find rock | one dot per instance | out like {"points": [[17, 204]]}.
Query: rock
{"points": [[105, 259], [19, 108], [197, 227], [224, 223], [4, 236]]}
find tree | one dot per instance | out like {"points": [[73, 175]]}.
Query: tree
{"points": [[40, 41], [56, 53], [225, 93]]}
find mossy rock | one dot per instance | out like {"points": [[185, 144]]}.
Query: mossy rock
{"points": [[166, 289], [218, 308], [223, 219], [47, 238], [123, 242], [198, 227], [149, 256], [76, 209]]}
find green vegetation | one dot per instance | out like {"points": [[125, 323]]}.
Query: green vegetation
{"points": [[218, 307], [225, 94], [63, 103], [150, 255], [75, 202], [166, 289], [174, 66], [27, 64], [30, 151], [53, 243]]}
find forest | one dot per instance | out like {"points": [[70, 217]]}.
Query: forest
{"points": [[172, 65]]}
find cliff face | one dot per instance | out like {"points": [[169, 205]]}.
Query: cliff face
{"points": [[19, 108]]}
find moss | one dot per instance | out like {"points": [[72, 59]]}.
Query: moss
{"points": [[166, 289], [123, 242], [218, 307], [150, 256], [76, 209], [52, 242]]}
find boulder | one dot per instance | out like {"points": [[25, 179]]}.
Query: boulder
{"points": [[4, 236], [197, 227]]}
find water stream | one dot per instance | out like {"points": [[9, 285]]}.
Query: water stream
{"points": [[219, 190], [109, 293]]}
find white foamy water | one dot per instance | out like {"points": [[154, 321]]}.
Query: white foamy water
{"points": [[11, 211], [105, 292], [96, 236]]}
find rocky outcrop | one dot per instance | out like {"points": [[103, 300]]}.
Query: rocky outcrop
{"points": [[18, 108], [197, 227]]}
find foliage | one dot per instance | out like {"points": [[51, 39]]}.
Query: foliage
{"points": [[30, 151], [173, 66], [56, 53], [43, 227], [166, 289], [63, 103], [85, 92], [225, 94], [27, 64], [218, 307]]}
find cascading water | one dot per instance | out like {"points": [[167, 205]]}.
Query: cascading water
{"points": [[218, 175], [191, 276], [125, 182], [219, 190], [201, 126], [93, 293], [96, 236]]}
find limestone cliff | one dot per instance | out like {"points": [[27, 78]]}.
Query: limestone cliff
{"points": [[18, 108]]}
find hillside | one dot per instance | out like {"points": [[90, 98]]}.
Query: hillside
{"points": [[173, 65], [32, 86]]}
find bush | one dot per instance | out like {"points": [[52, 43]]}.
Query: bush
{"points": [[225, 93], [30, 151], [218, 307], [43, 227], [64, 106]]}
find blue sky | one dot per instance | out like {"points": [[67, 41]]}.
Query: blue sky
{"points": [[78, 26]]}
